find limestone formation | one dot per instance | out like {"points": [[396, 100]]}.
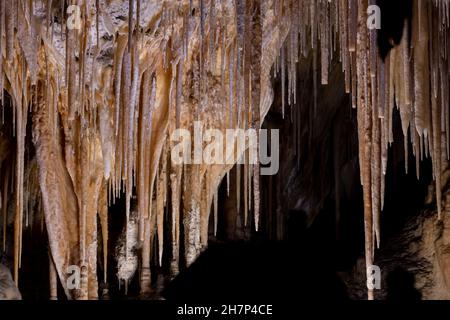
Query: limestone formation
{"points": [[105, 83]]}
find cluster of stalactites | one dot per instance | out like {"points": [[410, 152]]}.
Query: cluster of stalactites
{"points": [[115, 115], [414, 78], [168, 57]]}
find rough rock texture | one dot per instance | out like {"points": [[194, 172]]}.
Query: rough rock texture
{"points": [[105, 94], [106, 82], [414, 263], [126, 251], [8, 289]]}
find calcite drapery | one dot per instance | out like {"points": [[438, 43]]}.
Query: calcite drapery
{"points": [[119, 88]]}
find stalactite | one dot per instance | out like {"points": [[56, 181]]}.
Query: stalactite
{"points": [[202, 49], [142, 151], [352, 24], [130, 23], [103, 217], [421, 69], [238, 188], [353, 78], [175, 179], [81, 190], [84, 44], [130, 99], [365, 129], [5, 195], [145, 281], [231, 86], [216, 211], [376, 171], [55, 183], [313, 23], [402, 88], [256, 98], [212, 34], [445, 102], [122, 42], [250, 186], [160, 204], [53, 279], [436, 137], [2, 32], [343, 12], [179, 92], [228, 183], [324, 43], [283, 80], [191, 217], [383, 99], [246, 167], [70, 89], [124, 136], [240, 54], [296, 21], [21, 127], [148, 185], [9, 29], [436, 112]]}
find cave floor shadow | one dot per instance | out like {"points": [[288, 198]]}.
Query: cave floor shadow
{"points": [[400, 287], [257, 272]]}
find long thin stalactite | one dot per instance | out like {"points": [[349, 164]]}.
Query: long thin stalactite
{"points": [[118, 96]]}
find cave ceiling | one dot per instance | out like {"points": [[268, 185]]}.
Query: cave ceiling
{"points": [[101, 86]]}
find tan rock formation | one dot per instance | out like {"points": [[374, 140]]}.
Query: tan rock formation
{"points": [[106, 83]]}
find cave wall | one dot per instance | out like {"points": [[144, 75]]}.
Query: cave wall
{"points": [[98, 97]]}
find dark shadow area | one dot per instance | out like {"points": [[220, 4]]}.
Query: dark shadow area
{"points": [[261, 270], [401, 286], [340, 291], [393, 16]]}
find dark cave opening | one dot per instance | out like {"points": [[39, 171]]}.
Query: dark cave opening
{"points": [[33, 272], [312, 210], [401, 286]]}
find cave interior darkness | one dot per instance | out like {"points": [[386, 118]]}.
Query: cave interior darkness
{"points": [[296, 254]]}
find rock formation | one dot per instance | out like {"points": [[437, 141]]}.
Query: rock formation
{"points": [[8, 289], [101, 86]]}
